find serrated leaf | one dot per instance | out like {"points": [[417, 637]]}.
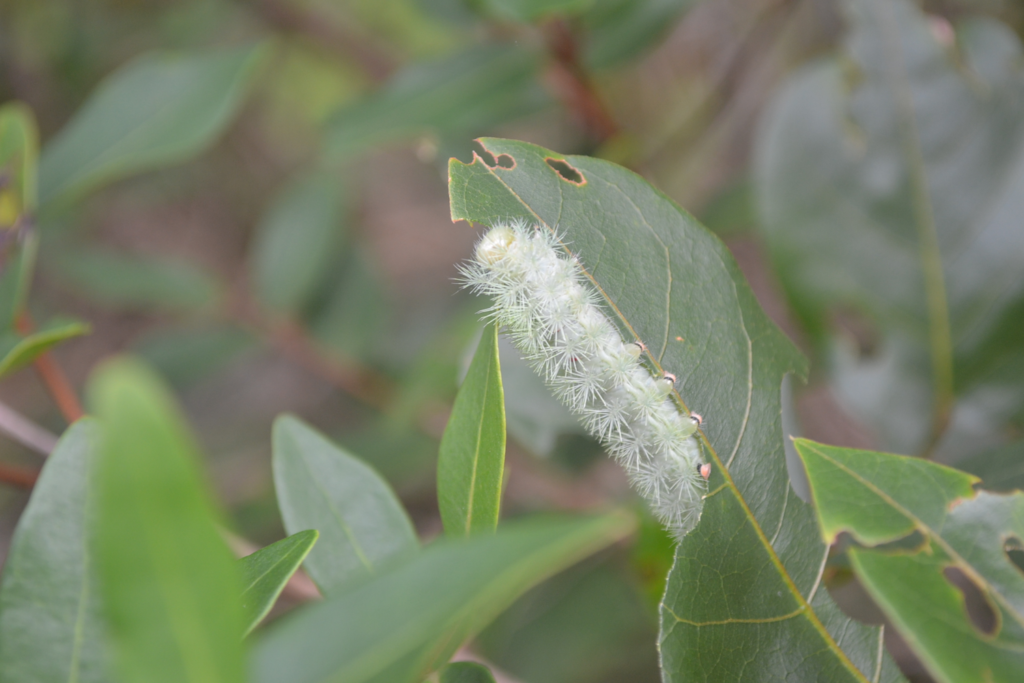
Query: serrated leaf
{"points": [[132, 281], [418, 613], [466, 672], [266, 571], [466, 92], [296, 242], [471, 459], [890, 181], [160, 109], [743, 599], [17, 352], [169, 584], [880, 498], [363, 527], [51, 630]]}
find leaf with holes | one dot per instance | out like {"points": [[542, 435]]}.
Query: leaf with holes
{"points": [[744, 599], [879, 498], [266, 571], [471, 458], [50, 624], [362, 525], [890, 181]]}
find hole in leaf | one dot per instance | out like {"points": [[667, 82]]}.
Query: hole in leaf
{"points": [[979, 609], [506, 161], [566, 171], [485, 156], [1014, 550]]}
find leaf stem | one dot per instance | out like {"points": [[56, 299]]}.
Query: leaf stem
{"points": [[17, 476], [57, 383], [573, 85], [25, 431]]}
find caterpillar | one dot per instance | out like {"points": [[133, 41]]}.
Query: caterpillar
{"points": [[547, 306]]}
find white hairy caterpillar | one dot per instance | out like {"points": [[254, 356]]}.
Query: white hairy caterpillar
{"points": [[545, 303]]}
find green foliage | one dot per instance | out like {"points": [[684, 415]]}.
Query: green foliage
{"points": [[471, 460], [879, 499], [700, 321], [50, 627], [466, 672], [266, 571], [889, 182], [169, 585], [319, 486], [409, 621], [17, 351], [159, 110]]}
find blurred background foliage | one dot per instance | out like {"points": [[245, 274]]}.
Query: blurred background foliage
{"points": [[272, 233]]}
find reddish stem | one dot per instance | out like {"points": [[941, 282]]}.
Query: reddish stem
{"points": [[53, 377]]}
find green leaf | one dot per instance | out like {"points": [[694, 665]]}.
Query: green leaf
{"points": [[471, 459], [18, 244], [296, 242], [619, 30], [880, 498], [889, 182], [50, 626], [757, 609], [466, 92], [137, 282], [1000, 469], [160, 109], [418, 613], [17, 352], [19, 147], [266, 571], [362, 526], [466, 672], [170, 586]]}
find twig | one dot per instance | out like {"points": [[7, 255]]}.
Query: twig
{"points": [[330, 35], [53, 377], [25, 431], [572, 83], [18, 476]]}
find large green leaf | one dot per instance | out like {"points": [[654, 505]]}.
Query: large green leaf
{"points": [[137, 282], [296, 242], [471, 459], [50, 627], [169, 584], [891, 182], [465, 92], [17, 351], [266, 571], [744, 599], [880, 498], [363, 527], [419, 612], [160, 109]]}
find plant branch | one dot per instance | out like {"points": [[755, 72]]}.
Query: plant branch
{"points": [[572, 83], [25, 431], [53, 377]]}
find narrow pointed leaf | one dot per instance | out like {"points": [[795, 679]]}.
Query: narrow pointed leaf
{"points": [[50, 625], [880, 498], [471, 459], [18, 152], [363, 527], [17, 352], [266, 571], [744, 598], [408, 620], [160, 109], [170, 587]]}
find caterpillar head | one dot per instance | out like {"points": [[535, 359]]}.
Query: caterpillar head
{"points": [[495, 244]]}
